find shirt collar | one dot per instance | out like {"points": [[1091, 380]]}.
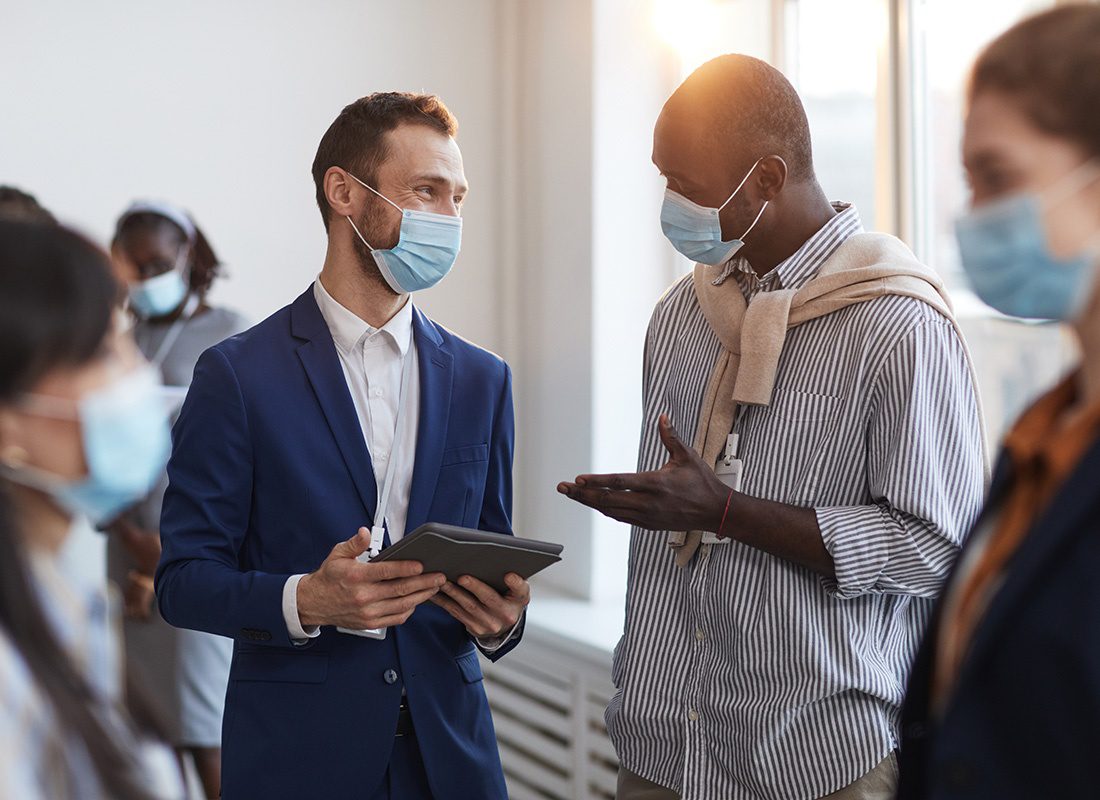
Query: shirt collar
{"points": [[797, 270], [348, 330]]}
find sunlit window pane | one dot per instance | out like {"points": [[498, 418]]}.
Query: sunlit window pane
{"points": [[949, 35], [699, 30], [832, 57]]}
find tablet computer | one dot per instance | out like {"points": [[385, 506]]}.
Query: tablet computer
{"points": [[458, 551]]}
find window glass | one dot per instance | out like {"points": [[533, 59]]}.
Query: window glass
{"points": [[948, 36], [833, 59]]}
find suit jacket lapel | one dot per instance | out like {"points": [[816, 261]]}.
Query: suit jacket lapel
{"points": [[322, 365], [1053, 529], [436, 369]]}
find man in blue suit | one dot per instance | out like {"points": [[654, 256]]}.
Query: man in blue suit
{"points": [[351, 414]]}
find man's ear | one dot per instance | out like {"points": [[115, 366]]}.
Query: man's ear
{"points": [[338, 191], [771, 177]]}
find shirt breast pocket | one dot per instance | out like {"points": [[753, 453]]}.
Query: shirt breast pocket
{"points": [[794, 438]]}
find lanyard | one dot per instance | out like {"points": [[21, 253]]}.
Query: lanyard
{"points": [[174, 332], [378, 529]]}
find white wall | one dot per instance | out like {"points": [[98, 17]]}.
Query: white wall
{"points": [[550, 215], [632, 262], [219, 106]]}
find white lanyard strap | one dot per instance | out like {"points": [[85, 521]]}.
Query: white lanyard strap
{"points": [[378, 529], [174, 332]]}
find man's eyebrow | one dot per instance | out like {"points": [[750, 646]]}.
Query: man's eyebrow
{"points": [[434, 177], [440, 180]]}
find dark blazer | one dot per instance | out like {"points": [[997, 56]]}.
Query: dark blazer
{"points": [[1024, 721], [269, 471]]}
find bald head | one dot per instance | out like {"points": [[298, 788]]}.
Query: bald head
{"points": [[745, 109]]}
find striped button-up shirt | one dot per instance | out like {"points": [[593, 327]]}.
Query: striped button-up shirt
{"points": [[748, 676]]}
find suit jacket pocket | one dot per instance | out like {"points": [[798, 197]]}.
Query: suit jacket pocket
{"points": [[276, 667], [469, 666], [465, 454]]}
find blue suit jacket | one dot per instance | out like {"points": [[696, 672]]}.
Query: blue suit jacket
{"points": [[269, 471], [1024, 720]]}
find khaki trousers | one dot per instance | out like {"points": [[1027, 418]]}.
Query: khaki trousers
{"points": [[881, 783]]}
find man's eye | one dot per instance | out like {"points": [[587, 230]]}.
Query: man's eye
{"points": [[425, 190]]}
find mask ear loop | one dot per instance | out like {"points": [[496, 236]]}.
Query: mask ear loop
{"points": [[44, 405], [354, 227], [758, 216], [741, 238], [742, 183], [186, 253], [1084, 175]]}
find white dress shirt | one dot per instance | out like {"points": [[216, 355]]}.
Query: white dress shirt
{"points": [[372, 360]]}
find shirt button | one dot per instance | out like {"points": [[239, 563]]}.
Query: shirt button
{"points": [[693, 715], [699, 634], [377, 392], [390, 677], [383, 456]]}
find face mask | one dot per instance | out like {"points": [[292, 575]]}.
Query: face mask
{"points": [[696, 231], [124, 428], [426, 248], [162, 294], [1005, 255]]}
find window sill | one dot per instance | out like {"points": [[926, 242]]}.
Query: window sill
{"points": [[585, 629]]}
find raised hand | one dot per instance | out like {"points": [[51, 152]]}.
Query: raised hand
{"points": [[683, 495]]}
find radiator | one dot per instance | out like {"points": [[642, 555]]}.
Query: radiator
{"points": [[548, 702]]}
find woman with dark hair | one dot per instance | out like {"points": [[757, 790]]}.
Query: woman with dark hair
{"points": [[17, 205], [1004, 698], [168, 266], [83, 433]]}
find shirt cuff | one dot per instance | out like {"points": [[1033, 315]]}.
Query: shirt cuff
{"points": [[490, 644], [298, 634], [859, 539]]}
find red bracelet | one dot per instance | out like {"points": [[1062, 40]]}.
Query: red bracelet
{"points": [[725, 514]]}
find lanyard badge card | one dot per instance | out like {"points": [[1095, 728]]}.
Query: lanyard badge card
{"points": [[378, 530], [377, 534], [728, 469]]}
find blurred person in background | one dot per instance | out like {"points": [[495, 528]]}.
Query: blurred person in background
{"points": [[1004, 698], [82, 435], [168, 267], [17, 205]]}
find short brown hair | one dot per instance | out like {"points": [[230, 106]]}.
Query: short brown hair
{"points": [[355, 141], [1050, 64]]}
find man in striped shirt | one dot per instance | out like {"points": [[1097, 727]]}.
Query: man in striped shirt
{"points": [[770, 661]]}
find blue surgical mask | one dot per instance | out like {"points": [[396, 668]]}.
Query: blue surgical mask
{"points": [[124, 430], [426, 248], [695, 230], [162, 294], [1005, 254]]}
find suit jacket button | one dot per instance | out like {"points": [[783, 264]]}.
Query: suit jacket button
{"points": [[389, 676]]}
